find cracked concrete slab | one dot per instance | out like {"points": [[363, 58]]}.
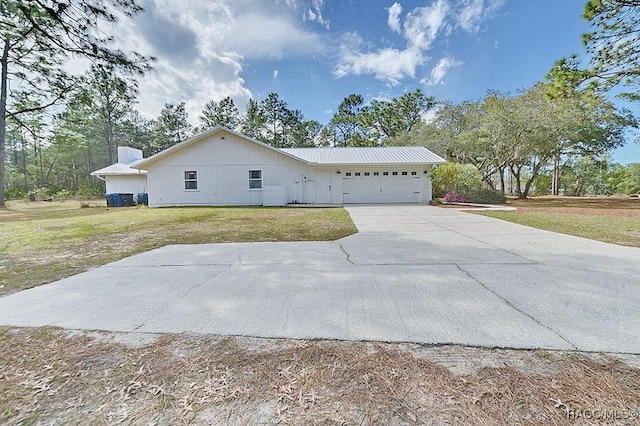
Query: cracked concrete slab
{"points": [[592, 309], [280, 253], [413, 273]]}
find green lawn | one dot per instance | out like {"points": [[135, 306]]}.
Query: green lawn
{"points": [[612, 220], [617, 230], [43, 242]]}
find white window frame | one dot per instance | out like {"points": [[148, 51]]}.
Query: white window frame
{"points": [[254, 180], [188, 180]]}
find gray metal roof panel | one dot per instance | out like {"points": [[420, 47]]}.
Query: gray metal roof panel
{"points": [[367, 155]]}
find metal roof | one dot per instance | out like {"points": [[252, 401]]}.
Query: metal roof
{"points": [[119, 169], [366, 155]]}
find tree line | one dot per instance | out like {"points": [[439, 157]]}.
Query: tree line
{"points": [[56, 128], [513, 138]]}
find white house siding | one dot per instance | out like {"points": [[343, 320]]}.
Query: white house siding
{"points": [[126, 184], [222, 163]]}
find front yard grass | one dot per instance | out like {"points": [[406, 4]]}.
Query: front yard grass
{"points": [[44, 242], [611, 220]]}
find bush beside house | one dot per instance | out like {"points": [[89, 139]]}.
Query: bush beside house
{"points": [[460, 183]]}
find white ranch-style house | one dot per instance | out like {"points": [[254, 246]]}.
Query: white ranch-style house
{"points": [[223, 167]]}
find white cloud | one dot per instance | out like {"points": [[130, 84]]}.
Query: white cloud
{"points": [[201, 47], [422, 27], [275, 73], [474, 12], [440, 70], [423, 24], [390, 64], [314, 14], [394, 17]]}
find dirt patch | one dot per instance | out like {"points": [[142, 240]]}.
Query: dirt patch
{"points": [[585, 211], [51, 376]]}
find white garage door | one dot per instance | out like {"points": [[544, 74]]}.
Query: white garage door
{"points": [[384, 186]]}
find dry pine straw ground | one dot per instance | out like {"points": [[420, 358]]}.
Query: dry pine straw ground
{"points": [[51, 376]]}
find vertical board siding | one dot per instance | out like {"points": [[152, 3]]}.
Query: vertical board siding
{"points": [[125, 184], [223, 174]]}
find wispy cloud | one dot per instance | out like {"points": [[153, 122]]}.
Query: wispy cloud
{"points": [[314, 14], [394, 17], [422, 24], [440, 70], [421, 28], [474, 12], [389, 64]]}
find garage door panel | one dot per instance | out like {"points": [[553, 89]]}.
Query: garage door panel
{"points": [[381, 189]]}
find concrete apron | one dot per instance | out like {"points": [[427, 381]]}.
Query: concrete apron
{"points": [[413, 273]]}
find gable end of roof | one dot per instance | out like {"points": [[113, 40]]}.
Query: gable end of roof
{"points": [[202, 136]]}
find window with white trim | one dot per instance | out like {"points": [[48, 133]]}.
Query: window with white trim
{"points": [[255, 179], [190, 180]]}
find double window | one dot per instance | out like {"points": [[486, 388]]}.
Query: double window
{"points": [[190, 180], [255, 179]]}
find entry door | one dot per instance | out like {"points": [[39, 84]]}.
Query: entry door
{"points": [[323, 187]]}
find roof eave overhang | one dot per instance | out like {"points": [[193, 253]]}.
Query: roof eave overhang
{"points": [[138, 173], [398, 164]]}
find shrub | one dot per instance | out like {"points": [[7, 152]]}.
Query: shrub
{"points": [[90, 191], [486, 196], [455, 178], [452, 197], [631, 181], [543, 184], [41, 194], [62, 195], [15, 194]]}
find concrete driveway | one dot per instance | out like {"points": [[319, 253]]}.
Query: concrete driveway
{"points": [[413, 273]]}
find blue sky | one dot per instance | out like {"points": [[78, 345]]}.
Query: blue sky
{"points": [[313, 53]]}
